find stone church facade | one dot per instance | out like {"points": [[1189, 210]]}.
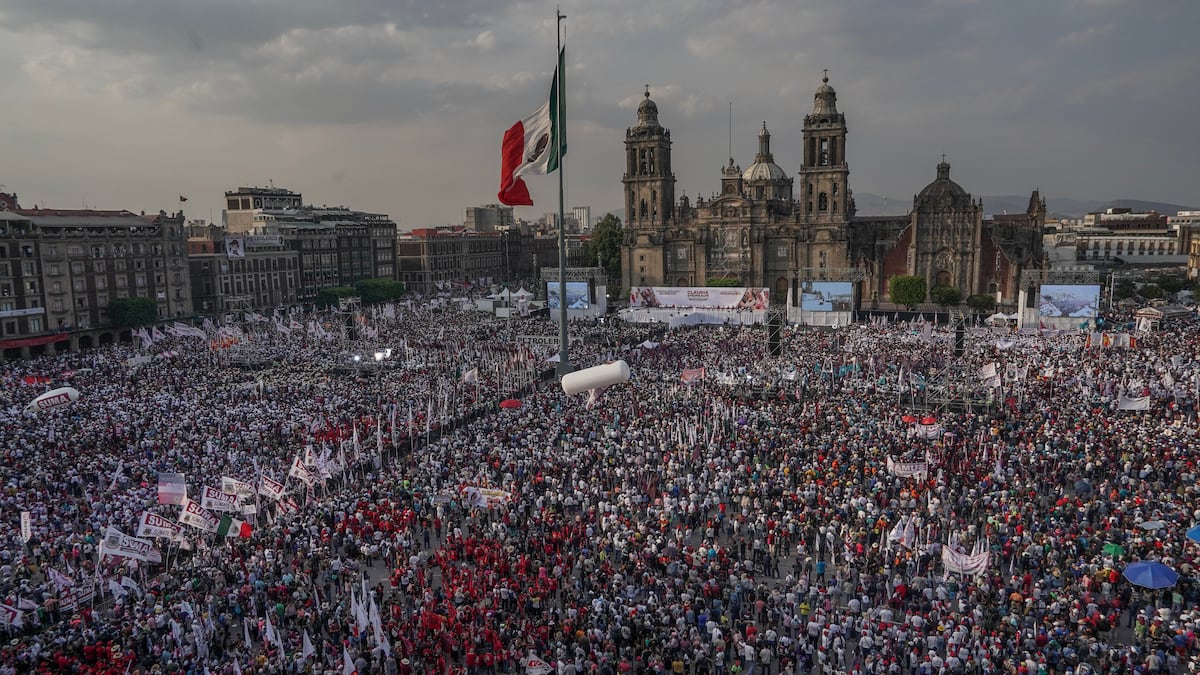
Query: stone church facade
{"points": [[766, 228]]}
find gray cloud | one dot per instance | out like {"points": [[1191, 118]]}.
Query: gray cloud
{"points": [[401, 104]]}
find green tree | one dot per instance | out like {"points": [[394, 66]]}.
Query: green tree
{"points": [[944, 296], [1171, 283], [723, 282], [1125, 288], [131, 312], [906, 290], [982, 303], [1151, 292], [375, 291], [603, 249], [329, 297]]}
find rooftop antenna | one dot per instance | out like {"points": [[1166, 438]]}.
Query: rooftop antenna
{"points": [[272, 182]]}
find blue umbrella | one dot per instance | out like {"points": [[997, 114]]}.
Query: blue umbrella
{"points": [[1151, 574], [1194, 533]]}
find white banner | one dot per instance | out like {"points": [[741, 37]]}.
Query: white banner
{"points": [[907, 469], [700, 297], [300, 472], [1134, 403], [69, 600], [239, 487], [927, 430], [213, 499], [973, 563], [987, 372], [195, 515], [485, 497], [117, 543], [10, 616], [26, 527], [155, 526], [271, 488], [535, 666]]}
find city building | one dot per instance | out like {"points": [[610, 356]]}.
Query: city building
{"points": [[336, 246], [1118, 236], [1187, 225], [258, 273], [61, 267], [766, 228], [489, 218], [430, 258], [242, 204], [583, 216]]}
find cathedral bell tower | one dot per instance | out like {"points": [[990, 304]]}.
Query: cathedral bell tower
{"points": [[649, 181], [824, 190]]}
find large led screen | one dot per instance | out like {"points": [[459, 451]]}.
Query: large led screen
{"points": [[1079, 302], [826, 296], [577, 295]]}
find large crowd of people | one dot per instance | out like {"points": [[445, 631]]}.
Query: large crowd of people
{"points": [[864, 501]]}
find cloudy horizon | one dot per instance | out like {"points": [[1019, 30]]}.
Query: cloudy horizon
{"points": [[399, 107]]}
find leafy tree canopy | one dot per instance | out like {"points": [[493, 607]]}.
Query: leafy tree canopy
{"points": [[907, 290], [131, 312]]}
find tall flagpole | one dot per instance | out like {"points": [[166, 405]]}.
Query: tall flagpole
{"points": [[564, 362]]}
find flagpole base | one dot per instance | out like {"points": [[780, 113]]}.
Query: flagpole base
{"points": [[563, 367]]}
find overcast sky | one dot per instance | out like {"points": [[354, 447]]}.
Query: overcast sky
{"points": [[398, 106]]}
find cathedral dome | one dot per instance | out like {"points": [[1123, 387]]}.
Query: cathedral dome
{"points": [[764, 166], [944, 190], [763, 171], [825, 100], [647, 113]]}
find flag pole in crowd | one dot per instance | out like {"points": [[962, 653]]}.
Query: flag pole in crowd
{"points": [[537, 145]]}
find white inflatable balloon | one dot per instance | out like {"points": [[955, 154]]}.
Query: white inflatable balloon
{"points": [[55, 398], [595, 377]]}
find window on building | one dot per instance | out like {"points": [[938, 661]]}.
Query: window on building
{"points": [[823, 202]]}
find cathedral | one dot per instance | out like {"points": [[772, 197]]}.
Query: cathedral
{"points": [[767, 228]]}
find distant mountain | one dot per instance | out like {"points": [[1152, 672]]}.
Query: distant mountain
{"points": [[1058, 207]]}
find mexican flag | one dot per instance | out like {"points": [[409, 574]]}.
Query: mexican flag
{"points": [[232, 527], [535, 144]]}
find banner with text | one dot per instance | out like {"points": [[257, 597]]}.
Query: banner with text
{"points": [[700, 297], [155, 526]]}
